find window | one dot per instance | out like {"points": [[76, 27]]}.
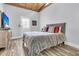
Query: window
{"points": [[25, 22]]}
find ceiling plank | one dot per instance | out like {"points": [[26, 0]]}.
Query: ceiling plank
{"points": [[41, 7], [31, 6], [45, 7]]}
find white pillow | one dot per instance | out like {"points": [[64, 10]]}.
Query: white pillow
{"points": [[51, 29], [44, 29]]}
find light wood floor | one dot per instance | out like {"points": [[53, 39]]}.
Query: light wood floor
{"points": [[16, 49]]}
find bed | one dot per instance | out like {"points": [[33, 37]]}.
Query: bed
{"points": [[35, 42]]}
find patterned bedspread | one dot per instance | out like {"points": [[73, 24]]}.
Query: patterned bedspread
{"points": [[36, 42]]}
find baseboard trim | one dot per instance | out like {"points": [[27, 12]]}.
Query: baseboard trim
{"points": [[71, 44]]}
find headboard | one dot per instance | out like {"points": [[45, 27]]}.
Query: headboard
{"points": [[63, 26]]}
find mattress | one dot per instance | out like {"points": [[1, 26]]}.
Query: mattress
{"points": [[36, 42]]}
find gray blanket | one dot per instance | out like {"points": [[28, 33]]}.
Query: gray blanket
{"points": [[36, 42]]}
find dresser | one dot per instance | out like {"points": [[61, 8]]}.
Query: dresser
{"points": [[4, 38]]}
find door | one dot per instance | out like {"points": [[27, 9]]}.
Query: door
{"points": [[15, 26]]}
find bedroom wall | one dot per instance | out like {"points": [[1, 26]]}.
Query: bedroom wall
{"points": [[63, 12], [1, 9], [0, 19], [15, 14]]}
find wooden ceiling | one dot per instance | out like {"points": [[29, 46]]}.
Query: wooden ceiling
{"points": [[31, 6]]}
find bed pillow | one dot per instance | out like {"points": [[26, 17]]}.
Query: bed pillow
{"points": [[57, 29], [51, 29], [45, 29]]}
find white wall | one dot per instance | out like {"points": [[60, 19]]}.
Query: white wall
{"points": [[63, 12], [1, 6], [0, 19], [1, 9], [15, 14]]}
